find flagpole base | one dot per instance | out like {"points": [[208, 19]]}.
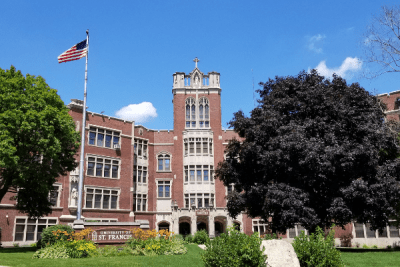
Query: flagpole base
{"points": [[79, 225]]}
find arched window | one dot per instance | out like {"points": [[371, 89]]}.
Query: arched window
{"points": [[190, 113], [164, 162], [204, 113]]}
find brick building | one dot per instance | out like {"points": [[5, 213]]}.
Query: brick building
{"points": [[156, 178]]}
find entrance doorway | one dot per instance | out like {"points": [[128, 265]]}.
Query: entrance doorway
{"points": [[202, 226], [184, 228], [219, 228]]}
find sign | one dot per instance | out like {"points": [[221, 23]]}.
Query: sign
{"points": [[202, 212], [111, 235]]}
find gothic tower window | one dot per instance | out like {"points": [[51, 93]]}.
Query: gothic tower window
{"points": [[204, 113], [190, 113]]}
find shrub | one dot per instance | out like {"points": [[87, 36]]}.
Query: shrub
{"points": [[189, 239], [317, 250], [66, 244], [201, 237], [64, 232], [56, 251], [234, 249], [374, 246], [270, 236], [365, 246], [155, 243]]}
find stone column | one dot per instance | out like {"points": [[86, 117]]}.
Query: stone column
{"points": [[193, 225], [175, 225], [211, 226]]}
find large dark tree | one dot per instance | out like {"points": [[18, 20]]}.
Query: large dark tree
{"points": [[314, 152], [38, 140]]}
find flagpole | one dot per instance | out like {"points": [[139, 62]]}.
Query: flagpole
{"points": [[82, 160]]}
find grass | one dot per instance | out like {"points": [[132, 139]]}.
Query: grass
{"points": [[371, 259], [23, 257]]}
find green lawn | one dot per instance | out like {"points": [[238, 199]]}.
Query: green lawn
{"points": [[371, 259], [23, 257]]}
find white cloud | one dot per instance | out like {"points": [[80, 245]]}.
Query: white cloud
{"points": [[314, 42], [349, 66], [139, 113]]}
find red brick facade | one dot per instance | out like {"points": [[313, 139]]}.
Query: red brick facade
{"points": [[157, 178]]}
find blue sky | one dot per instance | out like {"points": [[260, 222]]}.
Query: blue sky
{"points": [[136, 46]]}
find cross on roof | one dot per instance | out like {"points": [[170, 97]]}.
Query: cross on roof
{"points": [[196, 60]]}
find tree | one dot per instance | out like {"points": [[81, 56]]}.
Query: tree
{"points": [[38, 140], [313, 152], [382, 41]]}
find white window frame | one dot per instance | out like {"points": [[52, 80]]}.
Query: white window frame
{"points": [[297, 230], [190, 119], [259, 226], [230, 188], [204, 144], [113, 192], [192, 179], [106, 132], [164, 183], [198, 198], [144, 173], [141, 148], [164, 156], [367, 231], [104, 159], [204, 123], [29, 222], [140, 200]]}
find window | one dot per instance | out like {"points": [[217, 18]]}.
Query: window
{"points": [[140, 174], [204, 113], [199, 200], [31, 229], [139, 202], [164, 162], [293, 232], [364, 231], [199, 173], [164, 189], [198, 146], [99, 198], [103, 137], [230, 188], [200, 120], [190, 113], [260, 226], [103, 167], [140, 148], [54, 196]]}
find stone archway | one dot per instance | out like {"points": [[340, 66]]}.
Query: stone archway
{"points": [[202, 223], [184, 226], [219, 225], [219, 228]]}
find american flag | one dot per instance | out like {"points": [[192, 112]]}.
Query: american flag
{"points": [[76, 52]]}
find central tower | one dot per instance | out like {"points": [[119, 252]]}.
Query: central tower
{"points": [[197, 124]]}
